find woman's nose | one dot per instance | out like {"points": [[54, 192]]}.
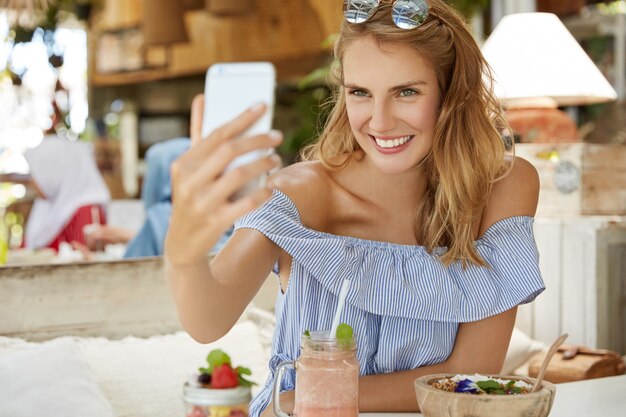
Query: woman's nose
{"points": [[381, 119]]}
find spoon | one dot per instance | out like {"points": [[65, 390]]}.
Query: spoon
{"points": [[544, 366]]}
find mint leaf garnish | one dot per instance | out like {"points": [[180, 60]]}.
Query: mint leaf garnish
{"points": [[243, 382], [217, 358], [243, 371], [344, 332]]}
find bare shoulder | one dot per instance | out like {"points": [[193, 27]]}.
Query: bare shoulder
{"points": [[515, 194], [307, 184]]}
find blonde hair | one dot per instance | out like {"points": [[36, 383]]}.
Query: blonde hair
{"points": [[468, 151]]}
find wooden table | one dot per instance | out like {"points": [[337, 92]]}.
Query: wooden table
{"points": [[602, 397]]}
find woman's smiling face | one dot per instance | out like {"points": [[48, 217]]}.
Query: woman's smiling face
{"points": [[392, 100]]}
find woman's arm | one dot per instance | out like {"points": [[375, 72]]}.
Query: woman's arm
{"points": [[475, 351], [210, 298]]}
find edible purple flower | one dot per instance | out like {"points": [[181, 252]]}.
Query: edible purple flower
{"points": [[466, 385]]}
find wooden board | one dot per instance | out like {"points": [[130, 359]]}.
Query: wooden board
{"points": [[287, 33], [611, 317], [601, 168], [109, 299], [583, 263]]}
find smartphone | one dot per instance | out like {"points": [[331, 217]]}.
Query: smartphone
{"points": [[230, 89]]}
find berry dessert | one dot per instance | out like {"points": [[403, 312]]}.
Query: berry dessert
{"points": [[219, 390]]}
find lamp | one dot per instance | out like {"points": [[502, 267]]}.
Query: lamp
{"points": [[538, 66]]}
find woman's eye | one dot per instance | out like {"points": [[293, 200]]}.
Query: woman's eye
{"points": [[408, 92], [358, 93]]}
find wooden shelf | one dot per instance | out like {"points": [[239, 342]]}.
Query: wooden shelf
{"points": [[133, 77], [291, 67]]}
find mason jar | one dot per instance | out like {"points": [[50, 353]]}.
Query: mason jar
{"points": [[207, 402], [327, 378]]}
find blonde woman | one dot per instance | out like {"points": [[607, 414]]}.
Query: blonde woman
{"points": [[408, 193]]}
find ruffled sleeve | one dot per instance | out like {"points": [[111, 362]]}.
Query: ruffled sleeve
{"points": [[403, 280]]}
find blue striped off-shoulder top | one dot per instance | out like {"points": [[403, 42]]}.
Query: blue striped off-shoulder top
{"points": [[403, 304]]}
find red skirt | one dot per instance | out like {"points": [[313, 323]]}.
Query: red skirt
{"points": [[73, 230]]}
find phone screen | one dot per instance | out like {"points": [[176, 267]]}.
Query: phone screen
{"points": [[231, 88]]}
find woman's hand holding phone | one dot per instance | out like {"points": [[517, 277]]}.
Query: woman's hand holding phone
{"points": [[202, 204]]}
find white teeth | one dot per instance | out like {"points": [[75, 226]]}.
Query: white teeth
{"points": [[390, 143]]}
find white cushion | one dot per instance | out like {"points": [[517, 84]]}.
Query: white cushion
{"points": [[144, 377], [138, 377], [50, 379], [521, 349]]}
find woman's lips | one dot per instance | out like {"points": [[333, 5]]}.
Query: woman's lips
{"points": [[391, 144]]}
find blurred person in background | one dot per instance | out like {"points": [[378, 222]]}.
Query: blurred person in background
{"points": [[72, 192]]}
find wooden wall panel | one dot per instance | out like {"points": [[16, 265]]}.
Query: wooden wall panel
{"points": [[583, 262]]}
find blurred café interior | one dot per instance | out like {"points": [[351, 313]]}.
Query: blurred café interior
{"points": [[113, 80]]}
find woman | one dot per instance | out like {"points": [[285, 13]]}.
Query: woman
{"points": [[72, 192], [407, 193]]}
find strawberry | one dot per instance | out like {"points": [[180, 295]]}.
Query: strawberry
{"points": [[224, 377]]}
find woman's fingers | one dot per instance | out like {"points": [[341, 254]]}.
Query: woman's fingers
{"points": [[232, 181], [197, 113], [213, 166], [226, 132], [238, 125], [202, 147]]}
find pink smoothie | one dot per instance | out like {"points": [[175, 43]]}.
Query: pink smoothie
{"points": [[327, 412]]}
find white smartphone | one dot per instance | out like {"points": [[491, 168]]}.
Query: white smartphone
{"points": [[230, 89]]}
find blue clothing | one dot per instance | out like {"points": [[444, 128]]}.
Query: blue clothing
{"points": [[156, 194], [150, 238], [404, 305]]}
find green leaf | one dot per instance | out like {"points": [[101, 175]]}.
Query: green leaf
{"points": [[344, 332], [243, 371], [243, 382], [318, 75], [489, 385], [217, 358], [510, 384], [307, 333], [204, 370]]}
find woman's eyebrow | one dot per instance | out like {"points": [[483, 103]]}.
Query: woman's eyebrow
{"points": [[394, 88], [408, 85]]}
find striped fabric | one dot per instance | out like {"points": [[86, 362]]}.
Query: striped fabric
{"points": [[403, 304]]}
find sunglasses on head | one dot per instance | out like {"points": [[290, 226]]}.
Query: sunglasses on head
{"points": [[406, 14]]}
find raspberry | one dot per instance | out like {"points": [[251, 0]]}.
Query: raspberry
{"points": [[224, 377]]}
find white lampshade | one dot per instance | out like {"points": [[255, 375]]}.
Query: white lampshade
{"points": [[533, 55]]}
